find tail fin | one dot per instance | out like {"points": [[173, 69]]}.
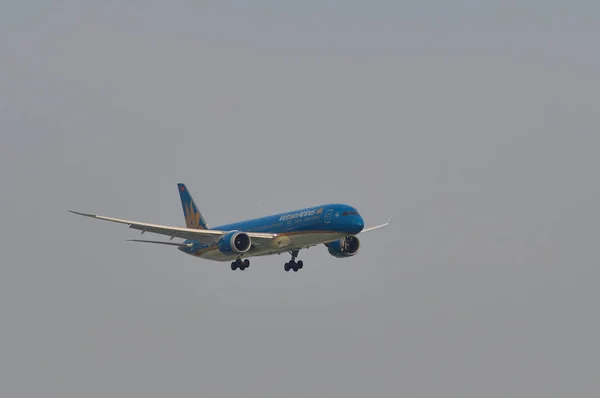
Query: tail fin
{"points": [[193, 218]]}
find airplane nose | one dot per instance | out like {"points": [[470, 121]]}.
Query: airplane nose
{"points": [[358, 224]]}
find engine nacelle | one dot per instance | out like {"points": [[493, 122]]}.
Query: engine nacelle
{"points": [[234, 242], [348, 246]]}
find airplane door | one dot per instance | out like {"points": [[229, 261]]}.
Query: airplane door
{"points": [[328, 216]]}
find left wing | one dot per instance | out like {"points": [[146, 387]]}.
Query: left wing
{"points": [[207, 236], [157, 242]]}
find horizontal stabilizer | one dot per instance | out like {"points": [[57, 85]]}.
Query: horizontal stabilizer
{"points": [[161, 243]]}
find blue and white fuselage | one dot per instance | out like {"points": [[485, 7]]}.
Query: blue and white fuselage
{"points": [[294, 230], [335, 225]]}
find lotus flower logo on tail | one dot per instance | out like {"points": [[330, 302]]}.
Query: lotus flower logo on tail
{"points": [[193, 218]]}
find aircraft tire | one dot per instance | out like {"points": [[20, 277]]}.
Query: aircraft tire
{"points": [[294, 266], [233, 266], [286, 267], [246, 263], [300, 264]]}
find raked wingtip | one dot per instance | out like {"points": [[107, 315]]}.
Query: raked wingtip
{"points": [[81, 214]]}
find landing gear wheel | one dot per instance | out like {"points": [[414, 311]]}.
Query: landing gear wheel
{"points": [[293, 265], [241, 264]]}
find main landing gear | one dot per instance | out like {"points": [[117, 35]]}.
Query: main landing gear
{"points": [[293, 264], [241, 264]]}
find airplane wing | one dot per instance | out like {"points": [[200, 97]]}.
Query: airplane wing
{"points": [[369, 229], [158, 242], [207, 236]]}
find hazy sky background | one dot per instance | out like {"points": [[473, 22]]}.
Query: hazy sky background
{"points": [[475, 125]]}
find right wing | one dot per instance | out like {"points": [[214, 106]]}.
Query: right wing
{"points": [[207, 236], [376, 227]]}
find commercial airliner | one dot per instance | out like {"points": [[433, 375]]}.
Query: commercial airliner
{"points": [[334, 225]]}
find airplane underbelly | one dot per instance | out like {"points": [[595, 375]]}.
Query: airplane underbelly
{"points": [[307, 239], [281, 244]]}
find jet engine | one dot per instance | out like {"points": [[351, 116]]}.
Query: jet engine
{"points": [[234, 242], [348, 246]]}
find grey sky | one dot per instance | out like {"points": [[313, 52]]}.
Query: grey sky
{"points": [[474, 125]]}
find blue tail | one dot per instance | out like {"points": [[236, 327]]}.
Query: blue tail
{"points": [[193, 217]]}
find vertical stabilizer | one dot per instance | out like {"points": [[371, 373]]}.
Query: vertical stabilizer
{"points": [[193, 217]]}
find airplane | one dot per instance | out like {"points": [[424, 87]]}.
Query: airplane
{"points": [[334, 225]]}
